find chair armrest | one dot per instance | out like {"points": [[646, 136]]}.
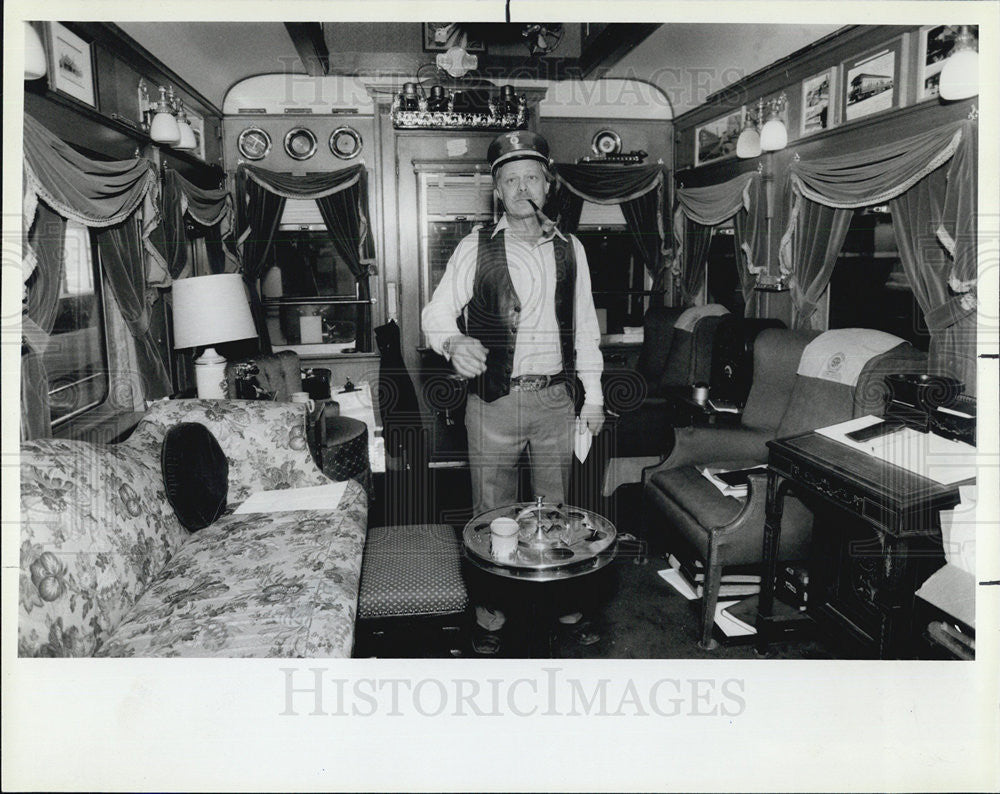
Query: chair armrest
{"points": [[702, 445]]}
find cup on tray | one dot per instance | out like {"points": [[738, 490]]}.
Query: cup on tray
{"points": [[503, 539], [304, 398]]}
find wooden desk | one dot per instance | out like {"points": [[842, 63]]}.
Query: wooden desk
{"points": [[868, 556]]}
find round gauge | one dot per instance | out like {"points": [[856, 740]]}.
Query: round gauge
{"points": [[345, 143], [606, 142], [300, 143], [254, 143]]}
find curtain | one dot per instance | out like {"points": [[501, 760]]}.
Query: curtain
{"points": [[948, 215], [211, 209], [45, 243], [261, 196], [814, 247], [639, 192], [258, 212], [950, 316], [696, 239], [100, 195], [700, 208], [120, 246]]}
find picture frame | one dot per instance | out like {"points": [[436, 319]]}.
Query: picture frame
{"points": [[71, 64], [197, 123], [934, 45], [871, 81], [818, 100], [716, 140], [442, 36]]}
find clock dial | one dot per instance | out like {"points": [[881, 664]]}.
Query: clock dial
{"points": [[345, 143], [300, 143], [254, 143], [606, 142]]}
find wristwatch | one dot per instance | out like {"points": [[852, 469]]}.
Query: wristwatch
{"points": [[448, 344]]}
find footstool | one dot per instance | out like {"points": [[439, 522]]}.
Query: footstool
{"points": [[411, 583]]}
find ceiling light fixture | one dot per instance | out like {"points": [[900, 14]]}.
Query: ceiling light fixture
{"points": [[960, 74], [164, 128], [774, 134]]}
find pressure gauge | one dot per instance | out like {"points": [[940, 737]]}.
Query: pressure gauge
{"points": [[345, 143], [254, 143], [300, 143]]}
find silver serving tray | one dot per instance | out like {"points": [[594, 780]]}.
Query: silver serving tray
{"points": [[568, 536]]}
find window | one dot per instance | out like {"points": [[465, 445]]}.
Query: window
{"points": [[311, 297], [617, 274], [76, 359], [722, 276], [868, 288]]}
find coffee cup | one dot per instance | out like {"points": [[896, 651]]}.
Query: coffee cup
{"points": [[503, 538], [304, 398]]}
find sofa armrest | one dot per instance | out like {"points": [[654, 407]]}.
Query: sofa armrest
{"points": [[704, 445]]}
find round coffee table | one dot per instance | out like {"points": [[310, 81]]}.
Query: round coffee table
{"points": [[555, 543]]}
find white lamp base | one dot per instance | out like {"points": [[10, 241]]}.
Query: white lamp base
{"points": [[210, 375]]}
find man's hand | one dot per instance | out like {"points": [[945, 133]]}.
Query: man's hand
{"points": [[593, 415], [468, 356]]}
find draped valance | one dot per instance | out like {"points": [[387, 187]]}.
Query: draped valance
{"points": [[207, 207], [307, 186], [714, 204], [638, 190]]}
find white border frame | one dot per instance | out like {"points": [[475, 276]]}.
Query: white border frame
{"points": [[831, 115], [82, 89]]}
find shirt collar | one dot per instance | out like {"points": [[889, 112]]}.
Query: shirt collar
{"points": [[503, 223]]}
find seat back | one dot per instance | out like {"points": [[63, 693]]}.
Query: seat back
{"points": [[690, 356], [840, 376], [732, 356], [657, 339], [776, 356], [279, 373]]}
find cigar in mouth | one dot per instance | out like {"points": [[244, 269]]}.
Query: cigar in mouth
{"points": [[544, 221]]}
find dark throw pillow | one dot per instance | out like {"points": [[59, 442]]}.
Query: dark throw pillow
{"points": [[195, 474]]}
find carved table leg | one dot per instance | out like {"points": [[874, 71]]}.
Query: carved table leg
{"points": [[777, 487]]}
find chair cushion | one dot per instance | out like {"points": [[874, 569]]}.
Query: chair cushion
{"points": [[411, 570], [195, 474]]}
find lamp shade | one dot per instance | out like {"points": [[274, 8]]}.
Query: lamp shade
{"points": [[34, 54], [748, 144], [960, 75], [187, 140], [209, 310], [164, 128], [773, 136]]}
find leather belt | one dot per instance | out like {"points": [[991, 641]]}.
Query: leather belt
{"points": [[536, 382]]}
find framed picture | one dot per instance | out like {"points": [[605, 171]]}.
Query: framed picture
{"points": [[71, 64], [817, 105], [871, 81], [935, 45], [717, 139], [442, 36], [198, 128]]}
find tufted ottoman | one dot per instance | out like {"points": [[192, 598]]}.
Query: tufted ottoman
{"points": [[411, 580]]}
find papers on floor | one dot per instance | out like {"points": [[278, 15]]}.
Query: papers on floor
{"points": [[927, 454], [315, 497], [724, 406], [730, 625], [689, 584], [731, 482]]}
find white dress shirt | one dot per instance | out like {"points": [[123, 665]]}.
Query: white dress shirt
{"points": [[532, 269]]}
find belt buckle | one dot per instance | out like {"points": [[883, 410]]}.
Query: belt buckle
{"points": [[532, 382]]}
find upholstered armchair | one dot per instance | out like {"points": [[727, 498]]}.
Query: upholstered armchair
{"points": [[800, 382]]}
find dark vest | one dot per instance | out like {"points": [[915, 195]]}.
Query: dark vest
{"points": [[493, 313]]}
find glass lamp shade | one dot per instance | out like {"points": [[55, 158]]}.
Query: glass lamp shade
{"points": [[748, 144], [34, 54], [773, 136], [960, 75], [164, 128], [187, 140]]}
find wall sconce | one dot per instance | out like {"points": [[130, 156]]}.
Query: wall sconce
{"points": [[748, 144], [163, 128], [35, 64], [187, 140], [960, 74], [774, 135]]}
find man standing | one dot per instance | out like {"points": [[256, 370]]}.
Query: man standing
{"points": [[522, 290]]}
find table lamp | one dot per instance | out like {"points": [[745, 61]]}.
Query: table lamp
{"points": [[209, 310]]}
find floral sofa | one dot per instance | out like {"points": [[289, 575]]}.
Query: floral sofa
{"points": [[106, 568]]}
